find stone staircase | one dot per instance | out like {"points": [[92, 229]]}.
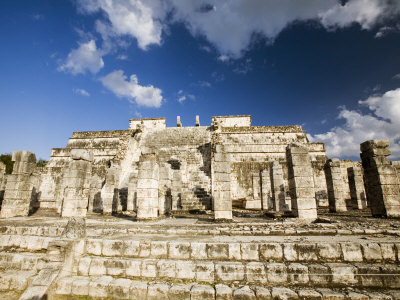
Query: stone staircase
{"points": [[189, 258]]}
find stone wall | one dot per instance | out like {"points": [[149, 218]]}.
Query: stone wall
{"points": [[381, 181], [22, 184], [2, 181]]}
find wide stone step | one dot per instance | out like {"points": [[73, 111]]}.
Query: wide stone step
{"points": [[13, 280], [247, 251], [271, 274], [43, 231], [122, 288], [21, 261], [25, 242]]}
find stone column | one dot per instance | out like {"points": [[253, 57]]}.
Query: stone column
{"points": [[77, 184], [381, 181], [147, 187], [132, 191], [221, 183], [109, 192], [301, 182], [2, 181], [19, 191], [335, 185], [164, 191], [278, 186], [266, 190], [176, 192], [356, 185], [255, 201], [96, 184], [197, 120]]}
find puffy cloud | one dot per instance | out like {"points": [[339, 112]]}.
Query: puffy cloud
{"points": [[363, 12], [136, 18], [81, 92], [119, 84], [85, 57], [382, 122], [230, 26]]}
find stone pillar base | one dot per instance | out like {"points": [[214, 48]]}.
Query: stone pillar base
{"points": [[223, 214]]}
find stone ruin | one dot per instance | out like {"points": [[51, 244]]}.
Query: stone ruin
{"points": [[226, 211]]}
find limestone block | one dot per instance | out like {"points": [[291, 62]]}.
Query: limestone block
{"points": [[179, 250], [298, 273], [94, 247], [198, 250], [99, 287], [185, 269], [343, 274], [133, 268], [283, 293], [249, 251], [205, 271], [255, 273], [119, 288], [278, 187], [166, 268], [138, 290], [97, 267], [80, 286], [367, 275], [81, 154], [113, 248], [223, 292], [115, 267], [290, 252], [157, 291], [234, 251], [319, 274], [263, 293], [352, 252], [271, 252], [83, 267], [331, 294], [244, 293], [229, 271], [144, 249], [329, 251], [372, 252], [388, 252], [277, 273], [202, 292], [179, 292], [159, 249], [309, 294], [307, 252], [64, 286], [149, 268], [217, 251]]}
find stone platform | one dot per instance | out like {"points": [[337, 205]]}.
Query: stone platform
{"points": [[339, 256]]}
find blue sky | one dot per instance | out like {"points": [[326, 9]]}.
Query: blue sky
{"points": [[332, 67]]}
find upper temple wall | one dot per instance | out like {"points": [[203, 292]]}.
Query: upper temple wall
{"points": [[155, 123], [232, 121]]}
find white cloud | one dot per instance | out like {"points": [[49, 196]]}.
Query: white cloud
{"points": [[382, 122], [230, 26], [136, 18], [38, 17], [182, 97], [122, 57], [203, 83], [119, 84], [85, 57], [81, 92]]}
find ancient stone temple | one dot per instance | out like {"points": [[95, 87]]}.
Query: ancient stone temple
{"points": [[226, 211]]}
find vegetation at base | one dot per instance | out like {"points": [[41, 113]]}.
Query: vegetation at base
{"points": [[6, 159]]}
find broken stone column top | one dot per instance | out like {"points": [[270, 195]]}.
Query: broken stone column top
{"points": [[197, 120], [333, 162], [24, 156], [178, 121], [374, 144], [81, 154]]}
